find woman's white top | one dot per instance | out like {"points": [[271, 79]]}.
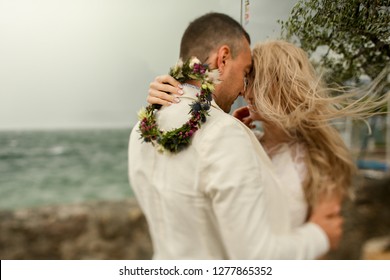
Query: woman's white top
{"points": [[288, 159]]}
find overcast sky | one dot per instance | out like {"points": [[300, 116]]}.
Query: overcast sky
{"points": [[88, 63]]}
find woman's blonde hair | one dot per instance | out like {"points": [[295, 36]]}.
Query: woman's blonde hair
{"points": [[289, 94]]}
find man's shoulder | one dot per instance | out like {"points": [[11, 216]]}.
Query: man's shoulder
{"points": [[135, 129], [221, 127], [219, 120], [135, 136]]}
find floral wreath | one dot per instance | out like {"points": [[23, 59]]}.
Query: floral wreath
{"points": [[177, 139]]}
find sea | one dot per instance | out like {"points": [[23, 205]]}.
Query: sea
{"points": [[62, 167], [67, 166]]}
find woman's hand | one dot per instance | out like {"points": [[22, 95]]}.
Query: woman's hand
{"points": [[243, 114], [164, 90]]}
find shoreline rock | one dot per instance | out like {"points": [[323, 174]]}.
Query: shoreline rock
{"points": [[93, 230]]}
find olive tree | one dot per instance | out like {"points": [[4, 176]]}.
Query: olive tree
{"points": [[353, 36]]}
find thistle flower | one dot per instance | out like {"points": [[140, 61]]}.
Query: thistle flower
{"points": [[205, 106], [196, 107]]}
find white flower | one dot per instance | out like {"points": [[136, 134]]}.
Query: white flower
{"points": [[213, 76], [208, 86], [178, 65], [194, 60], [142, 114], [160, 148]]}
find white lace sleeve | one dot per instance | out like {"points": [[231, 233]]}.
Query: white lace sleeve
{"points": [[289, 162], [298, 153]]}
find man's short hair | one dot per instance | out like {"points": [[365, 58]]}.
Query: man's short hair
{"points": [[209, 32]]}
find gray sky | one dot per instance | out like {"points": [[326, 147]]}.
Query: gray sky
{"points": [[88, 63]]}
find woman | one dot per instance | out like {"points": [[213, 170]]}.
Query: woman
{"points": [[295, 108]]}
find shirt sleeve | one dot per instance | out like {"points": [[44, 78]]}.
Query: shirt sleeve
{"points": [[231, 176]]}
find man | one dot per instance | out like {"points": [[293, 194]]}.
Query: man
{"points": [[219, 197]]}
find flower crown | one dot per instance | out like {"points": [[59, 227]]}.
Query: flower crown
{"points": [[177, 139]]}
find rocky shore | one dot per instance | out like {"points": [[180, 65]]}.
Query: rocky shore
{"points": [[98, 230], [118, 230]]}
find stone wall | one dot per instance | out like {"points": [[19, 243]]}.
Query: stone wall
{"points": [[118, 230], [99, 230]]}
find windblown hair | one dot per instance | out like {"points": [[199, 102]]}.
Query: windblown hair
{"points": [[289, 94], [210, 31]]}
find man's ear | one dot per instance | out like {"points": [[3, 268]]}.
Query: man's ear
{"points": [[223, 56]]}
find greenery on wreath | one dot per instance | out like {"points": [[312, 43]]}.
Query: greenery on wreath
{"points": [[177, 139]]}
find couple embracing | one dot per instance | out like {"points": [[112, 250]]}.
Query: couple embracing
{"points": [[209, 187]]}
